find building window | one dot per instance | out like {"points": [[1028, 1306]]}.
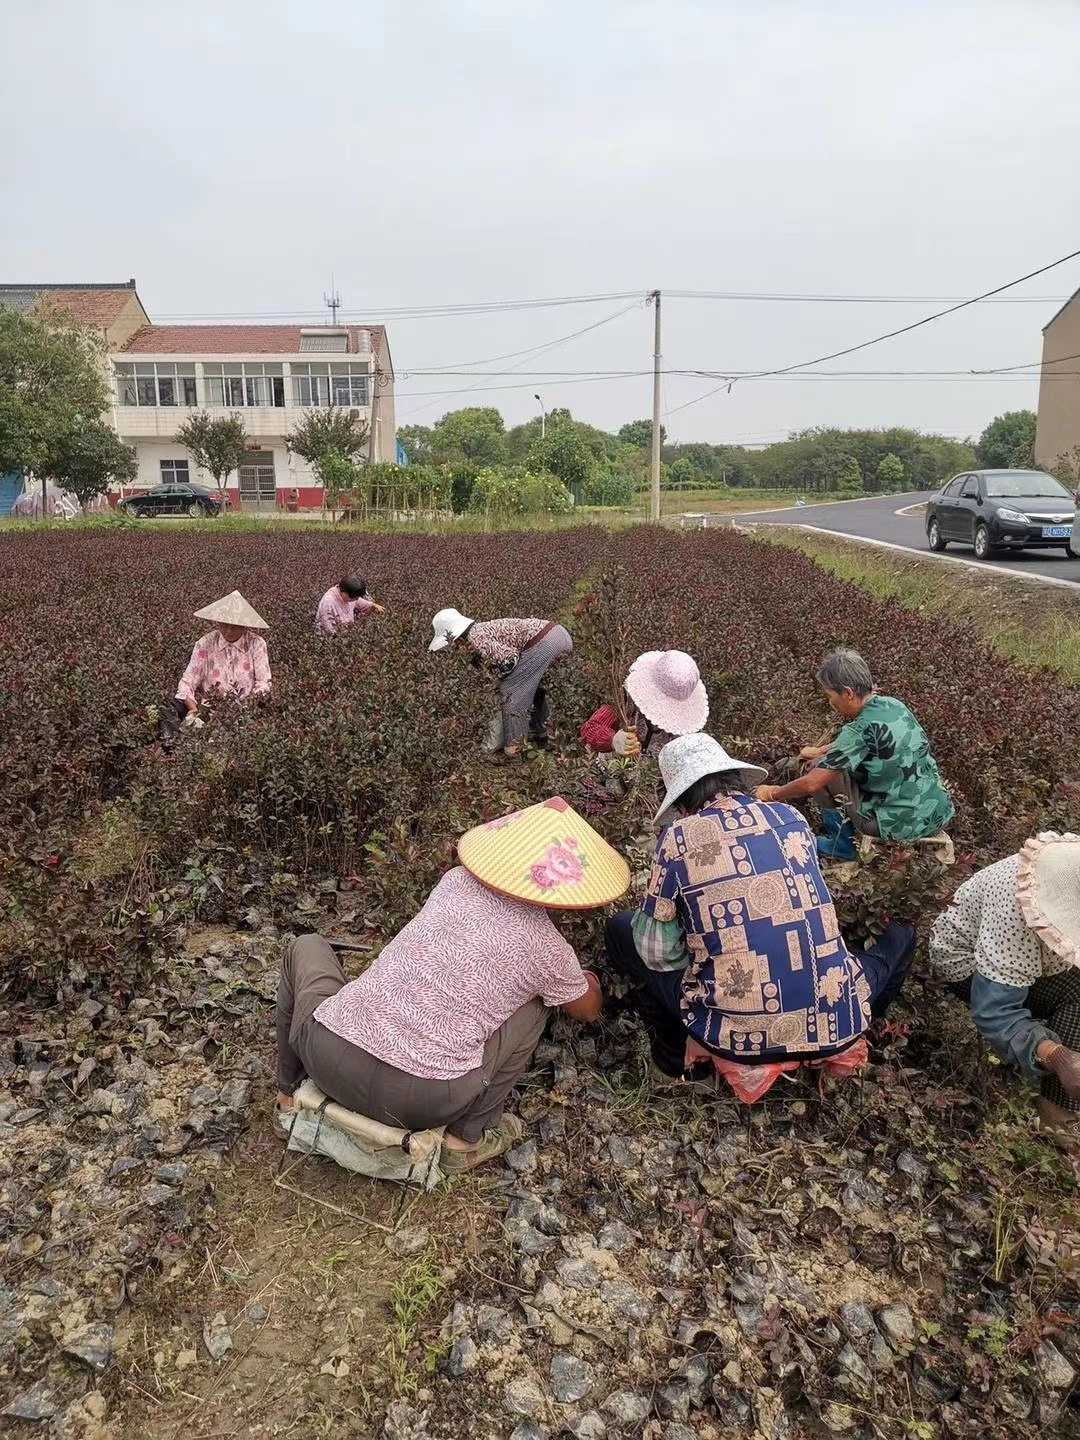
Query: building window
{"points": [[148, 383], [247, 384], [174, 472], [335, 340], [333, 384]]}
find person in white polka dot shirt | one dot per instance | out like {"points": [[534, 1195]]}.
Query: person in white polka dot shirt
{"points": [[1009, 945]]}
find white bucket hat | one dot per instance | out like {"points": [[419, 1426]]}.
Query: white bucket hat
{"points": [[1048, 888], [666, 687], [232, 610], [448, 625], [689, 758]]}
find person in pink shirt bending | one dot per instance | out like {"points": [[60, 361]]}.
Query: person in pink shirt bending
{"points": [[229, 662], [344, 603], [443, 1023]]}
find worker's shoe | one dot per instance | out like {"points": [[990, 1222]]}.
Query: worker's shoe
{"points": [[495, 1142], [1059, 1125]]}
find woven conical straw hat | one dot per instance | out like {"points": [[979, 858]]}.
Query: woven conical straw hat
{"points": [[547, 855], [232, 610]]}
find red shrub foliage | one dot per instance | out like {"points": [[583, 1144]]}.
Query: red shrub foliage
{"points": [[365, 761]]}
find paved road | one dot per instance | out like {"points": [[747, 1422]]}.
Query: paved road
{"points": [[876, 519]]}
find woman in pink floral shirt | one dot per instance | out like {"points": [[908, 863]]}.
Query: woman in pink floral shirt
{"points": [[229, 662]]}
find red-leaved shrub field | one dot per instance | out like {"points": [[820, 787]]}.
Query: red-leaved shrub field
{"points": [[364, 763], [897, 1259]]}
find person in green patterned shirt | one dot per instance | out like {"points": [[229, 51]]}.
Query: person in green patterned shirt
{"points": [[878, 773]]}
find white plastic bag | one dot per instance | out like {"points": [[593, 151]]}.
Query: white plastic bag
{"points": [[321, 1127]]}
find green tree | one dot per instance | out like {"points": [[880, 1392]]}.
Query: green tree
{"points": [[639, 433], [564, 453], [608, 487], [92, 459], [890, 474], [476, 433], [507, 490], [681, 473], [53, 395], [335, 428], [419, 443], [1008, 442], [216, 445], [833, 470]]}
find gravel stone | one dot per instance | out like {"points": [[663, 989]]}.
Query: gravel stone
{"points": [[523, 1157], [627, 1408], [174, 1174], [626, 1301], [615, 1236], [39, 1402], [1053, 1367], [93, 1344], [523, 1397], [673, 1402], [858, 1321], [590, 1426], [531, 1242], [578, 1274], [494, 1323], [217, 1337], [410, 1241], [527, 1430], [464, 1357], [155, 1195], [571, 1378], [850, 1360], [898, 1324]]}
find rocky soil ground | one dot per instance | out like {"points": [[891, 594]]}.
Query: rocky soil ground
{"points": [[894, 1258]]}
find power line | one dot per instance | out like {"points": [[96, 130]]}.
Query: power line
{"points": [[415, 312], [799, 299], [889, 334], [539, 349]]}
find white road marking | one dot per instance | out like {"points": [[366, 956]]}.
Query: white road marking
{"points": [[948, 559], [911, 509], [784, 509]]}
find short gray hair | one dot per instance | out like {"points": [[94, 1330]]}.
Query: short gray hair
{"points": [[845, 670]]}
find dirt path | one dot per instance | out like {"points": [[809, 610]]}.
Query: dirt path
{"points": [[308, 1295]]}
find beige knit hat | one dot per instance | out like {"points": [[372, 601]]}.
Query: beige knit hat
{"points": [[1048, 888], [232, 610]]}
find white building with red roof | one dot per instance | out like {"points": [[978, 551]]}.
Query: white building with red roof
{"points": [[269, 375]]}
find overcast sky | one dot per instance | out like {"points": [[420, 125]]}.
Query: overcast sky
{"points": [[231, 156]]}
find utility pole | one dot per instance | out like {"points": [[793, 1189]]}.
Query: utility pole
{"points": [[654, 485]]}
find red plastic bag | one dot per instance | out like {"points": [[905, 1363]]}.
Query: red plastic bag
{"points": [[751, 1082]]}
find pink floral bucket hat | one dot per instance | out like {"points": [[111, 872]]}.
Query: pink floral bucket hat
{"points": [[1048, 888], [667, 688], [547, 855]]}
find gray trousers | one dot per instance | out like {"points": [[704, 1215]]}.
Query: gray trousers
{"points": [[524, 702], [467, 1105]]}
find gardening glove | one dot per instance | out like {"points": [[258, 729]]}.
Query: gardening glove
{"points": [[192, 721], [1065, 1064], [625, 742]]}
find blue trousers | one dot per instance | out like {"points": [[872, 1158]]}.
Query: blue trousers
{"points": [[656, 994]]}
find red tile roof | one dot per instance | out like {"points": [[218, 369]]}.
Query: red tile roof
{"points": [[94, 305], [235, 339]]}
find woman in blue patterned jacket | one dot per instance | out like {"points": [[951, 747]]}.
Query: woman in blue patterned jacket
{"points": [[736, 953]]}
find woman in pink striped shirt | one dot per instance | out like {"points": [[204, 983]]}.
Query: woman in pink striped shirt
{"points": [[344, 603]]}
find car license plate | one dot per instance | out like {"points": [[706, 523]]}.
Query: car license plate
{"points": [[1056, 532]]}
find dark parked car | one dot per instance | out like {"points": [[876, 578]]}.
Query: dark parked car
{"points": [[191, 500], [1002, 510]]}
